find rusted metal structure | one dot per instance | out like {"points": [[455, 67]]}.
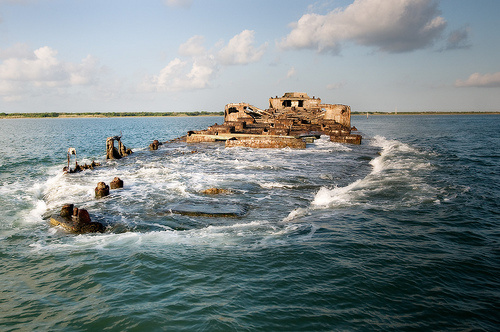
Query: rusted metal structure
{"points": [[287, 122], [114, 153]]}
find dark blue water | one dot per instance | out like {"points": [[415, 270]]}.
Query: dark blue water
{"points": [[400, 233]]}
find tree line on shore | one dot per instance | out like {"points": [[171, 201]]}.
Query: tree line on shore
{"points": [[195, 113], [106, 114]]}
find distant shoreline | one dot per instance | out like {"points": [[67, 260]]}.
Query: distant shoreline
{"points": [[53, 115], [196, 114]]}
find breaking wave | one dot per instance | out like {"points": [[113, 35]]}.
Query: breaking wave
{"points": [[398, 178]]}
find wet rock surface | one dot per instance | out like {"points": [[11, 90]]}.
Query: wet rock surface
{"points": [[101, 190], [213, 209], [117, 183], [67, 211], [75, 220], [154, 146], [215, 191]]}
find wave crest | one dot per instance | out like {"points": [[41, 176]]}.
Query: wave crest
{"points": [[397, 177]]}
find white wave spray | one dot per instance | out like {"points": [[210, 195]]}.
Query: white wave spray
{"points": [[395, 172]]}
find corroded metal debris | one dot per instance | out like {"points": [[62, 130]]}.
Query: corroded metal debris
{"points": [[77, 168], [289, 121], [114, 153]]}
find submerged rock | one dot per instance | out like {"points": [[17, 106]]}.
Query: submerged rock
{"points": [[154, 145], [83, 216], [215, 191], [117, 183], [101, 190], [210, 210], [67, 210], [76, 220]]}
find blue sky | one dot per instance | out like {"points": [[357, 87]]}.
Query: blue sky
{"points": [[191, 55]]}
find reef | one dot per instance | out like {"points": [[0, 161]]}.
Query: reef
{"points": [[290, 121], [75, 220]]}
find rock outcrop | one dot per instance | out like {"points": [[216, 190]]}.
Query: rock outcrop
{"points": [[75, 220], [154, 146], [117, 183], [215, 191], [101, 190]]}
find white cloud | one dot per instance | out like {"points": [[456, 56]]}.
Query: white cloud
{"points": [[11, 91], [197, 66], [19, 50], [481, 81], [193, 47], [241, 50], [84, 73], [43, 68], [23, 71], [392, 26], [201, 74], [180, 75]]}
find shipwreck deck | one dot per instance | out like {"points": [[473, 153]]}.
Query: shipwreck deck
{"points": [[249, 140]]}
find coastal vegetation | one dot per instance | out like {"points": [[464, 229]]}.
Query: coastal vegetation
{"points": [[196, 113], [105, 114]]}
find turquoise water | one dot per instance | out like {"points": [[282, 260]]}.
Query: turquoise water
{"points": [[400, 233]]}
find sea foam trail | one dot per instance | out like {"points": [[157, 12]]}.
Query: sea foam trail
{"points": [[398, 171], [137, 214], [248, 234]]}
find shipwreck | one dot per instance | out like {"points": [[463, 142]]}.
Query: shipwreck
{"points": [[290, 121]]}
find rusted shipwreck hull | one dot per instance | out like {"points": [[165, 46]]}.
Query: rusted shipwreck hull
{"points": [[289, 121]]}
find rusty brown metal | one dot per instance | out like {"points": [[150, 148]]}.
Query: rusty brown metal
{"points": [[287, 122]]}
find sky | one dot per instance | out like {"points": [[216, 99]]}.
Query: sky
{"points": [[198, 55]]}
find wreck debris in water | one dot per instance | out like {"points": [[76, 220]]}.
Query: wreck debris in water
{"points": [[75, 220], [114, 153], [77, 168], [289, 121]]}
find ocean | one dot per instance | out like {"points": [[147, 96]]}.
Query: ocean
{"points": [[399, 233]]}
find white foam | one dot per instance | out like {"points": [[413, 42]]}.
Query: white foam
{"points": [[295, 215], [271, 185], [338, 195], [398, 163], [35, 214], [170, 177], [251, 233], [324, 143]]}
